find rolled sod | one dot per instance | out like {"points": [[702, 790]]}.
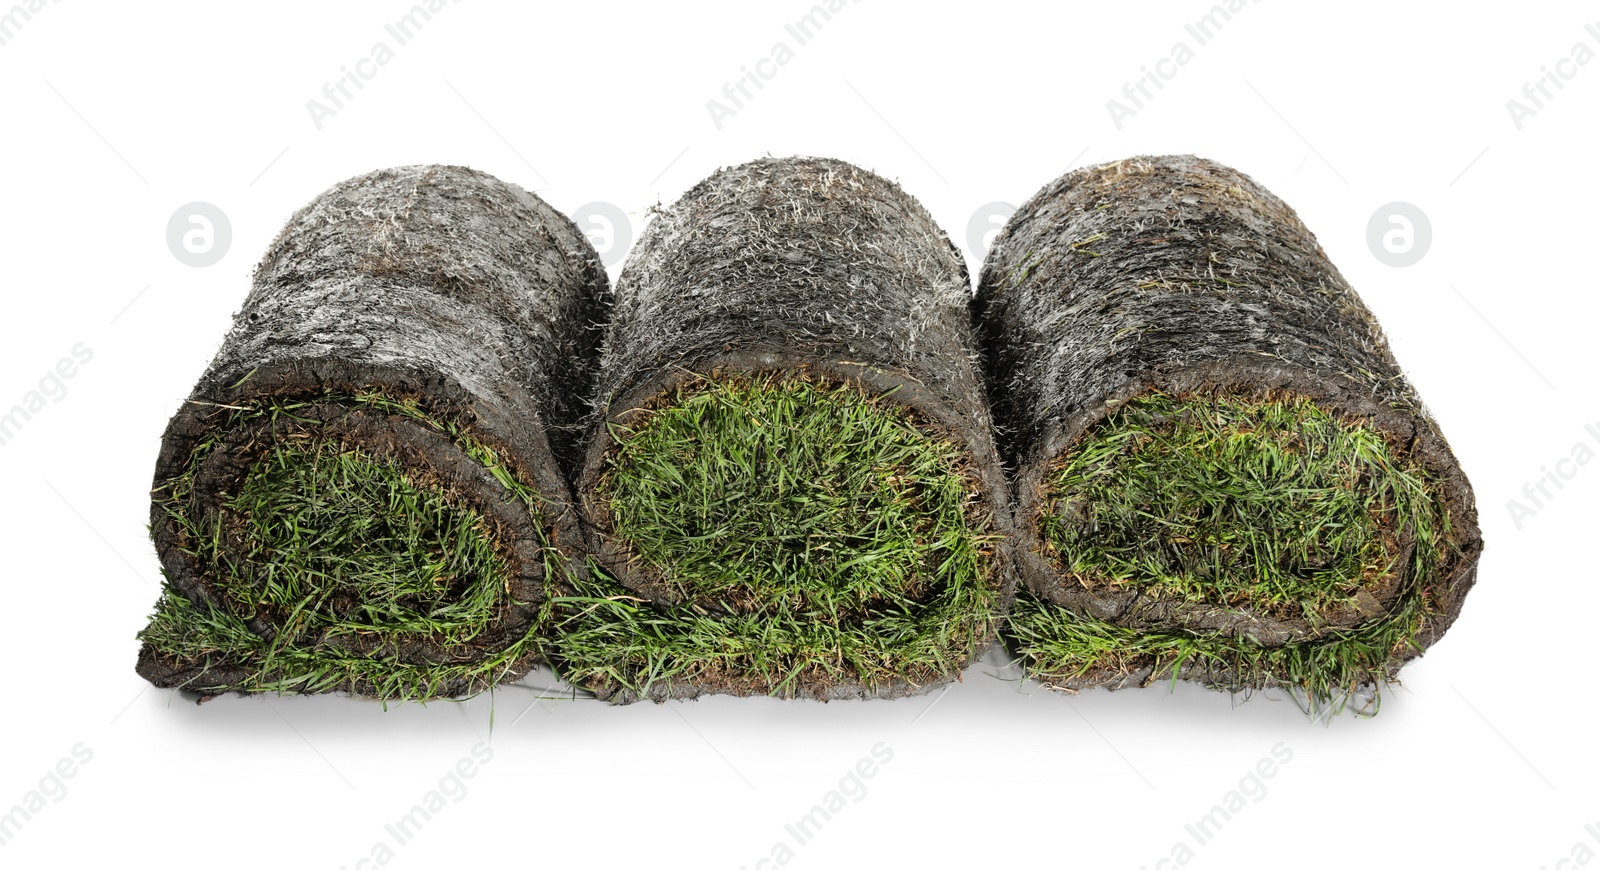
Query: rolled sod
{"points": [[791, 485], [364, 492], [1221, 473]]}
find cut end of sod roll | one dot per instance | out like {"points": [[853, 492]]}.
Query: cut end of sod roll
{"points": [[362, 493], [807, 530], [352, 543], [792, 490], [1222, 475], [1256, 526]]}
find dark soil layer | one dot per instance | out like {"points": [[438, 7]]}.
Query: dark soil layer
{"points": [[1180, 278], [424, 334], [786, 270]]}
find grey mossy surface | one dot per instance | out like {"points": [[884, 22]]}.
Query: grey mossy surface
{"points": [[803, 265], [1180, 275], [436, 284]]}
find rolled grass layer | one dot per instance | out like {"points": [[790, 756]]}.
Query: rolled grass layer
{"points": [[791, 487], [1221, 473], [363, 492]]}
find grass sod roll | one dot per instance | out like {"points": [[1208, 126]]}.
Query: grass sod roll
{"points": [[791, 484], [364, 492], [1221, 473]]}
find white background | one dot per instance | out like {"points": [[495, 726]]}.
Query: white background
{"points": [[118, 114]]}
